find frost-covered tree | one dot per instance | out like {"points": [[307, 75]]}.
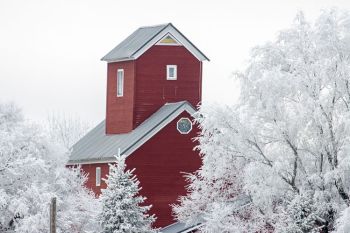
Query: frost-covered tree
{"points": [[32, 171], [286, 144], [122, 210], [65, 129], [343, 223]]}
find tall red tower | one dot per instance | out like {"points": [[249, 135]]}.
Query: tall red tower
{"points": [[145, 59], [154, 84]]}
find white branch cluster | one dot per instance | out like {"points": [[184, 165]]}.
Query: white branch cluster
{"points": [[286, 144], [32, 171]]}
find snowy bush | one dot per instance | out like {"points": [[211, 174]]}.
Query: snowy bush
{"points": [[286, 143], [32, 171], [122, 211]]}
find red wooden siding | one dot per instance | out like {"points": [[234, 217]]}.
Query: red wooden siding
{"points": [[90, 170], [159, 164], [146, 88], [161, 160], [119, 110], [152, 90]]}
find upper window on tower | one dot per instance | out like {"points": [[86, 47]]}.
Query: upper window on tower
{"points": [[171, 72], [120, 82]]}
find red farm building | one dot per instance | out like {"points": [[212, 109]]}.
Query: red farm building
{"points": [[154, 84]]}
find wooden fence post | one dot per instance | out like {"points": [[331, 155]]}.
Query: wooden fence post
{"points": [[53, 215]]}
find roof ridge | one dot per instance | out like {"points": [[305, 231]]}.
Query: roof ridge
{"points": [[165, 26], [143, 38], [156, 25]]}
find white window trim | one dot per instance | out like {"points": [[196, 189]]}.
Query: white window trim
{"points": [[122, 85], [175, 72], [98, 176], [177, 125]]}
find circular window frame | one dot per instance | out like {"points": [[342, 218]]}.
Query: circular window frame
{"points": [[177, 125]]}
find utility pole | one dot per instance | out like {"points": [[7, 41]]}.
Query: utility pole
{"points": [[53, 215]]}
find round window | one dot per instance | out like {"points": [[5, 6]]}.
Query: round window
{"points": [[184, 125]]}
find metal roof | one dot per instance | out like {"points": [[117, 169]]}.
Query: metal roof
{"points": [[179, 227], [96, 146], [143, 38], [237, 204], [127, 48]]}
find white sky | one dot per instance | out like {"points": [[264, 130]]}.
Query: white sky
{"points": [[50, 50]]}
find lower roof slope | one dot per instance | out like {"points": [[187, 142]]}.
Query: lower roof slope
{"points": [[237, 204], [96, 146]]}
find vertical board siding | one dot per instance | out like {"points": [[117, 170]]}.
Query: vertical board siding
{"points": [[119, 110], [153, 90], [162, 161], [90, 170], [160, 164]]}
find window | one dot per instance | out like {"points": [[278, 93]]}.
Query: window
{"points": [[171, 72], [168, 39], [98, 176], [120, 82], [184, 125]]}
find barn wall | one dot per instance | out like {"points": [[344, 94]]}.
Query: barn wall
{"points": [[152, 88], [90, 170], [119, 110], [159, 165]]}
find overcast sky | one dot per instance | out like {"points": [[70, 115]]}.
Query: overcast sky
{"points": [[50, 51]]}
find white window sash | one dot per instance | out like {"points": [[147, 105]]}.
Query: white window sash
{"points": [[174, 77], [120, 82], [98, 176]]}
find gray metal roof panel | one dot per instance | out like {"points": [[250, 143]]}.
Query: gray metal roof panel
{"points": [[128, 47], [96, 145], [179, 227]]}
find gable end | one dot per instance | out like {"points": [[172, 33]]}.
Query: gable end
{"points": [[144, 38]]}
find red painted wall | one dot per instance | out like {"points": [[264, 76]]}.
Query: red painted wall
{"points": [[120, 110], [160, 161], [159, 165], [153, 90], [146, 88], [90, 170]]}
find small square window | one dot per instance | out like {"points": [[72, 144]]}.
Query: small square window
{"points": [[171, 72], [120, 82]]}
